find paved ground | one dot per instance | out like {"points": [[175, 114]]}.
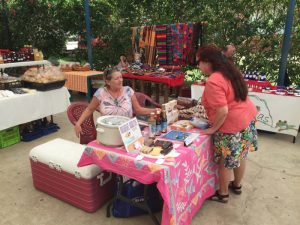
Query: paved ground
{"points": [[270, 189]]}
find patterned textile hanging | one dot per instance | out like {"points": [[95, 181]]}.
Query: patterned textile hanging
{"points": [[187, 41], [197, 39], [150, 44], [177, 43], [169, 46], [174, 44], [135, 39], [161, 44]]}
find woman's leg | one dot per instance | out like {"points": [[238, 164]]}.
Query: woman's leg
{"points": [[224, 178], [239, 173]]}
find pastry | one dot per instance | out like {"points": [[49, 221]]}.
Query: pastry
{"points": [[146, 149], [156, 151]]}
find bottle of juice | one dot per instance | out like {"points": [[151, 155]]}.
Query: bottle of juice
{"points": [[152, 125]]}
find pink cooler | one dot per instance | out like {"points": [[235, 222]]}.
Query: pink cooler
{"points": [[54, 171]]}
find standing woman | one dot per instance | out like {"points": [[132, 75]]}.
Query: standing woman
{"points": [[231, 115], [113, 99]]}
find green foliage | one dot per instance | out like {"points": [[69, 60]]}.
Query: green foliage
{"points": [[254, 26], [193, 75], [37, 23]]}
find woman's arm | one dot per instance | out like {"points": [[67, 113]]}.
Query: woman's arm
{"points": [[139, 110], [86, 113], [221, 114]]}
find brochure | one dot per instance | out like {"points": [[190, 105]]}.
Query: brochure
{"points": [[131, 135], [185, 137]]}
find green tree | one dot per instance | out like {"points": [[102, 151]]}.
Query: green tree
{"points": [[254, 26]]}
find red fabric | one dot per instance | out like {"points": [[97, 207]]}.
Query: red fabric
{"points": [[4, 51], [258, 85], [171, 67], [218, 92], [169, 78]]}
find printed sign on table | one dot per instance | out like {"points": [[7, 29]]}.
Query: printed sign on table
{"points": [[131, 135]]}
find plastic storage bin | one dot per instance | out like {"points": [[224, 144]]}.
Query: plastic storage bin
{"points": [[9, 137]]}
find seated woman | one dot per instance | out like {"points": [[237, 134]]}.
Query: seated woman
{"points": [[113, 99]]}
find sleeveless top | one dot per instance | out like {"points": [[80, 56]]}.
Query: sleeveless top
{"points": [[121, 106]]}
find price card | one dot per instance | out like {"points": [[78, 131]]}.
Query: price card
{"points": [[131, 135]]}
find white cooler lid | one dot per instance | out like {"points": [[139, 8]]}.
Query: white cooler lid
{"points": [[64, 155]]}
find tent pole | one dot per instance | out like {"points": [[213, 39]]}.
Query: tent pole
{"points": [[286, 42], [88, 32], [6, 31]]}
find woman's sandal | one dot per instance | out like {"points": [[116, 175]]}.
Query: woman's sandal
{"points": [[236, 190], [219, 198]]}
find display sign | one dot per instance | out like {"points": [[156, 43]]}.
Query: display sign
{"points": [[131, 135], [171, 111]]}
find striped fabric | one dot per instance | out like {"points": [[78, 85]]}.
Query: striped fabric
{"points": [[161, 44], [169, 46], [77, 80], [150, 44], [142, 37], [174, 44]]}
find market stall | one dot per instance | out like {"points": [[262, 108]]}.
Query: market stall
{"points": [[159, 52], [278, 112], [185, 181]]}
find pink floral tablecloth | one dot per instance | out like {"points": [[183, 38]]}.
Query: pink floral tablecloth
{"points": [[184, 182]]}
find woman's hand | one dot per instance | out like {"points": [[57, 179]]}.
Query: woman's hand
{"points": [[221, 114], [78, 130]]}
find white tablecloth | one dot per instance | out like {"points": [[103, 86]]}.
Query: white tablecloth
{"points": [[24, 108], [277, 113]]}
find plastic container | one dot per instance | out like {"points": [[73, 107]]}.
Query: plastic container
{"points": [[39, 131], [49, 128], [30, 136], [9, 137], [9, 84], [200, 123]]}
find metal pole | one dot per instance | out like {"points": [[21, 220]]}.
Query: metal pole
{"points": [[286, 42], [88, 32], [6, 31]]}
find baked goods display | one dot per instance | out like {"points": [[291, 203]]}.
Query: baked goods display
{"points": [[151, 151], [75, 67], [159, 148], [44, 75], [78, 67], [66, 67]]}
